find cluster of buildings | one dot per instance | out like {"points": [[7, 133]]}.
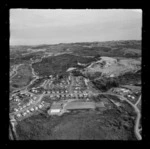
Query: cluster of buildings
{"points": [[38, 90], [63, 83], [77, 84], [72, 88], [30, 110], [61, 107], [23, 100], [125, 92], [20, 96], [75, 94]]}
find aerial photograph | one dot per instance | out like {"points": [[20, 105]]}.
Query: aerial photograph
{"points": [[75, 74]]}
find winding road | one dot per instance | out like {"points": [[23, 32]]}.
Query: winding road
{"points": [[136, 128]]}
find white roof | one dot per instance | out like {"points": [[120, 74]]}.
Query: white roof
{"points": [[42, 102], [16, 109], [72, 68], [54, 110], [18, 114], [112, 75], [40, 106], [32, 109], [24, 113], [28, 111], [36, 108]]}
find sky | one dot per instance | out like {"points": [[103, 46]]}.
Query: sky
{"points": [[52, 26]]}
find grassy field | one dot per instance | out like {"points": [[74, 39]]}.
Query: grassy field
{"points": [[23, 77], [80, 105]]}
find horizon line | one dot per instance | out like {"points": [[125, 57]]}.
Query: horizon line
{"points": [[72, 42]]}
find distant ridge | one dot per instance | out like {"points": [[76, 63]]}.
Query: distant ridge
{"points": [[12, 46]]}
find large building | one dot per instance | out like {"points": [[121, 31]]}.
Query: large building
{"points": [[55, 109]]}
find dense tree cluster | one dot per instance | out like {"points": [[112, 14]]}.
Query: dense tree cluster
{"points": [[59, 64], [129, 78], [105, 84]]}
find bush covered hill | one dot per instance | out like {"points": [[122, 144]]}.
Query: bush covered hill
{"points": [[112, 124], [59, 64], [85, 52], [129, 48]]}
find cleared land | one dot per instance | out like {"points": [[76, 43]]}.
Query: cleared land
{"points": [[110, 66]]}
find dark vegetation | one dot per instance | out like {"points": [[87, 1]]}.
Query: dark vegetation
{"points": [[99, 98], [94, 51], [129, 78], [76, 73], [15, 85], [18, 58], [114, 98], [58, 64], [84, 125], [105, 84], [94, 76], [111, 48], [119, 121]]}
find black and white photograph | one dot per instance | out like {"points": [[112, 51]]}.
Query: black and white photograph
{"points": [[75, 74]]}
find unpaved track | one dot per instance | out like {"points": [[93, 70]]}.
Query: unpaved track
{"points": [[136, 128]]}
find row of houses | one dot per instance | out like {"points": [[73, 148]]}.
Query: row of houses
{"points": [[121, 91], [72, 95], [29, 111], [21, 105], [125, 92]]}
